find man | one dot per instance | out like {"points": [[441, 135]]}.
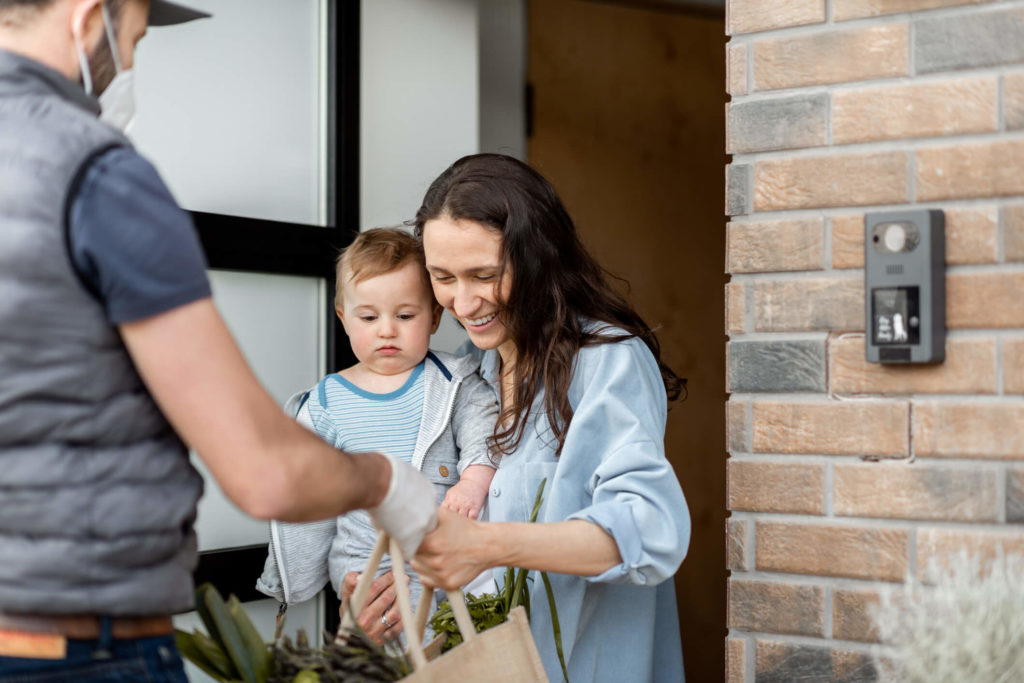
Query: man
{"points": [[110, 349]]}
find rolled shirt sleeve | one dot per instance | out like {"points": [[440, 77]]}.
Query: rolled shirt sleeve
{"points": [[617, 432], [130, 242]]}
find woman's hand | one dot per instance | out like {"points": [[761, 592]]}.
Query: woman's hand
{"points": [[454, 553], [379, 616], [459, 549]]}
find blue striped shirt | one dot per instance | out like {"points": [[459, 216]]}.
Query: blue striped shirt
{"points": [[358, 421]]}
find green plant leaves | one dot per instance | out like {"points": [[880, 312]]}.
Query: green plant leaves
{"points": [[217, 617], [204, 653], [256, 651]]}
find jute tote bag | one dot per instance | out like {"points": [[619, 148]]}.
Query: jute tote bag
{"points": [[502, 653]]}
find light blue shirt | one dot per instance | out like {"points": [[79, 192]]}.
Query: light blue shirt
{"points": [[612, 471]]}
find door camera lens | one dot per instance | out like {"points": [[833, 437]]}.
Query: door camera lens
{"points": [[895, 237]]}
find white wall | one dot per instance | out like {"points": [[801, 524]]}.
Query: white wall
{"points": [[440, 79], [419, 100]]}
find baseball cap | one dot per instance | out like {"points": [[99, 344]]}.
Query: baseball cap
{"points": [[165, 13]]}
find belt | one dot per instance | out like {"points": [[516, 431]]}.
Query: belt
{"points": [[87, 627]]}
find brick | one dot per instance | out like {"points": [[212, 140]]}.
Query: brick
{"points": [[1013, 101], [737, 189], [771, 607], [936, 547], [1013, 365], [848, 241], [737, 429], [834, 303], [1013, 232], [972, 236], [778, 662], [831, 57], [795, 365], [761, 246], [985, 300], [735, 660], [988, 169], [969, 368], [832, 427], [851, 615], [776, 487], [736, 308], [968, 430], [844, 10], [747, 16], [778, 123], [736, 69], [969, 41], [833, 550], [736, 544], [954, 107], [835, 180], [1015, 496], [915, 491]]}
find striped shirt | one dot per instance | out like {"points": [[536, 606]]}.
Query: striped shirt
{"points": [[358, 421]]}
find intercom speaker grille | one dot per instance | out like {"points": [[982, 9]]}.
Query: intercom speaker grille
{"points": [[894, 269]]}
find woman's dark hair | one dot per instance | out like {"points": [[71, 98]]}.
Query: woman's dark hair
{"points": [[557, 287]]}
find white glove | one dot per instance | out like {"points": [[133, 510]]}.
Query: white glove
{"points": [[409, 509]]}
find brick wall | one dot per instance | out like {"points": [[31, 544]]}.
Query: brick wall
{"points": [[846, 476]]}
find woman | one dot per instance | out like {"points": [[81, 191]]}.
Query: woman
{"points": [[583, 405]]}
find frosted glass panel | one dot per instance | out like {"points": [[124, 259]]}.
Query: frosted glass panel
{"points": [[277, 321], [262, 612], [230, 109]]}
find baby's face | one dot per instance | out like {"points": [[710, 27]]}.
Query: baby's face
{"points": [[389, 319]]}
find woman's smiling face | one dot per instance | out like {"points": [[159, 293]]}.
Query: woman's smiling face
{"points": [[464, 262]]}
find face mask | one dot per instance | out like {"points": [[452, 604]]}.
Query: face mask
{"points": [[117, 101]]}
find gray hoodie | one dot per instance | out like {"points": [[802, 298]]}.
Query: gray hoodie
{"points": [[459, 413]]}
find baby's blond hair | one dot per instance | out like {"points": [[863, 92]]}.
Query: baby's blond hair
{"points": [[378, 252]]}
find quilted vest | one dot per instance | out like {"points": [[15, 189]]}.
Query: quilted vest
{"points": [[97, 494]]}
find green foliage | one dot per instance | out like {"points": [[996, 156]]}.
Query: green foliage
{"points": [[234, 651], [492, 609], [357, 660]]}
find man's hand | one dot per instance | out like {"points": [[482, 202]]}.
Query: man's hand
{"points": [[408, 510]]}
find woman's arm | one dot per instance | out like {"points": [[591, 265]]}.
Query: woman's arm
{"points": [[635, 528], [459, 549]]}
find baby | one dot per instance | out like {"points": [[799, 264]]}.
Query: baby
{"points": [[428, 408]]}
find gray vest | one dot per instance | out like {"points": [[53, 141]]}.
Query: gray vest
{"points": [[97, 495]]}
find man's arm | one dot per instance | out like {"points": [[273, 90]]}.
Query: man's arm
{"points": [[266, 463]]}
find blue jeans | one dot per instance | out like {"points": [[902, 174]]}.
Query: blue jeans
{"points": [[106, 659]]}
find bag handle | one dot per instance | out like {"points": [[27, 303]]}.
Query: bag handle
{"points": [[415, 624]]}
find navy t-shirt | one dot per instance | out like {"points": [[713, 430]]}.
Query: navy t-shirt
{"points": [[131, 243]]}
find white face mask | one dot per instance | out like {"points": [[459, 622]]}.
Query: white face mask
{"points": [[117, 101]]}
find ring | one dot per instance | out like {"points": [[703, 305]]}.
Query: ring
{"points": [[384, 620]]}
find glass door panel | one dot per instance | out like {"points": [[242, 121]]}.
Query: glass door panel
{"points": [[232, 111]]}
